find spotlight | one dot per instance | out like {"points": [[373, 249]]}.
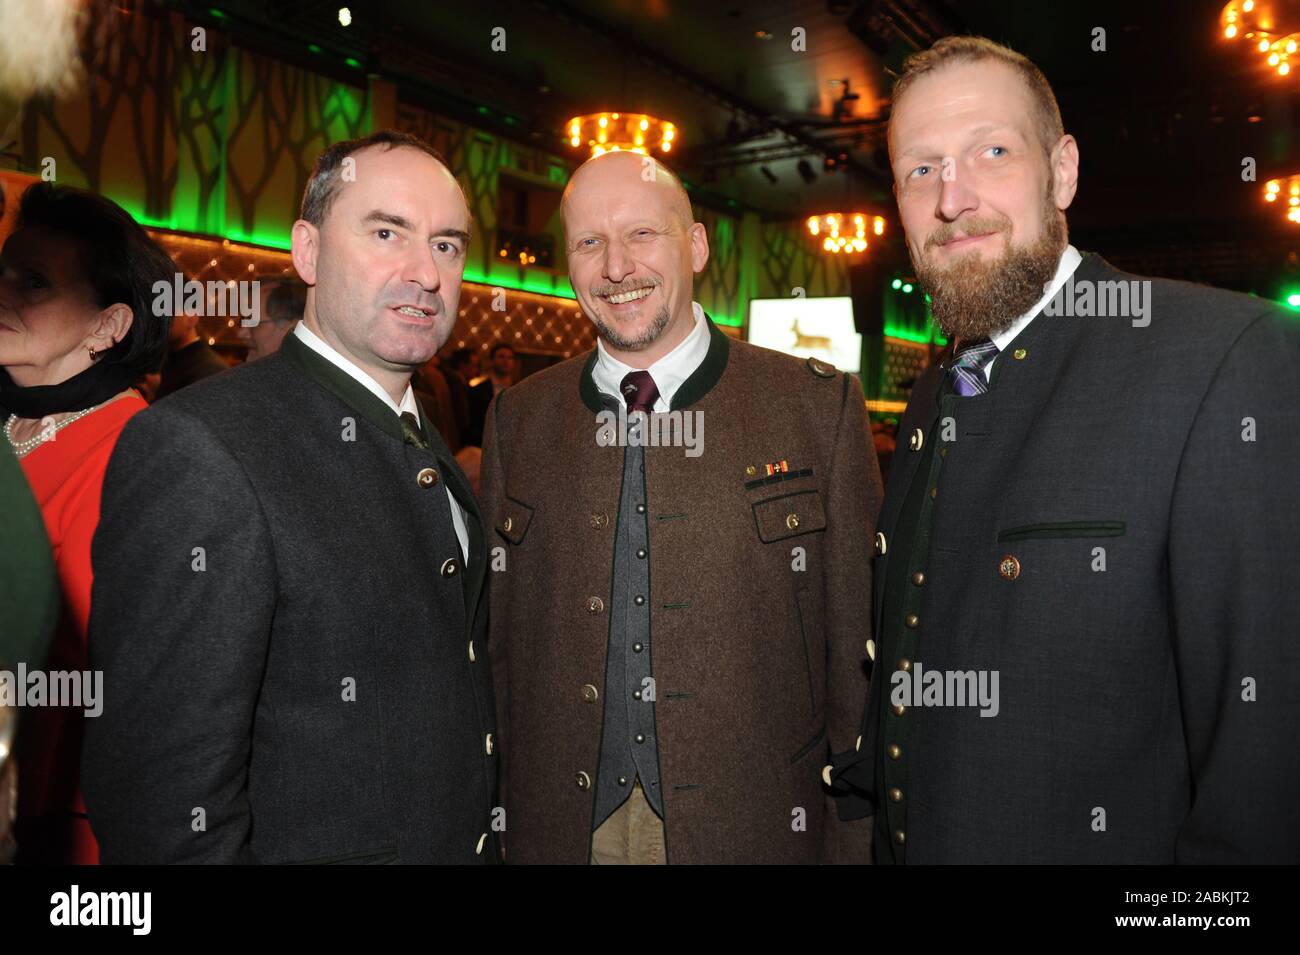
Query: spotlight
{"points": [[806, 173], [345, 17]]}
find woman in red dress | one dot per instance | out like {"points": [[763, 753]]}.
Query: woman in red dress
{"points": [[77, 326]]}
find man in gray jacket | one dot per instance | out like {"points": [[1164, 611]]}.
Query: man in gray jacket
{"points": [[1085, 596], [287, 605]]}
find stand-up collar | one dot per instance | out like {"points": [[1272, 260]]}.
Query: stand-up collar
{"points": [[699, 384]]}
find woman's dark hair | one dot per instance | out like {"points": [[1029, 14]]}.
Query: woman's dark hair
{"points": [[119, 260]]}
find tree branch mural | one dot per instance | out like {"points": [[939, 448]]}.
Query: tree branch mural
{"points": [[791, 261], [199, 108], [717, 288]]}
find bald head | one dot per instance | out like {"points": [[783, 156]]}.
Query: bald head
{"points": [[629, 174]]}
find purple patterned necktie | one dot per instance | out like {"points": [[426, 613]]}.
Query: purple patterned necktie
{"points": [[967, 366], [639, 391]]}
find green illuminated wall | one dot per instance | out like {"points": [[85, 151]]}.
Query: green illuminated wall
{"points": [[220, 142], [217, 141], [907, 316]]}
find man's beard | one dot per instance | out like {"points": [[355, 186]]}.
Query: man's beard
{"points": [[976, 297], [645, 339]]}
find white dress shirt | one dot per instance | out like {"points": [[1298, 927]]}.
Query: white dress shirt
{"points": [[1070, 260], [668, 372], [325, 350]]}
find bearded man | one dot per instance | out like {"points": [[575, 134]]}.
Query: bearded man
{"points": [[1084, 599]]}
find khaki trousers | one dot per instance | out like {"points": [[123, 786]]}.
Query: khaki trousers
{"points": [[632, 835]]}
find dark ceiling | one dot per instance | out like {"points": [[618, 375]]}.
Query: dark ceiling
{"points": [[1164, 116]]}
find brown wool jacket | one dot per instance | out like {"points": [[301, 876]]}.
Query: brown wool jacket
{"points": [[759, 666]]}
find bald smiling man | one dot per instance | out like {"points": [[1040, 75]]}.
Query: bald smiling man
{"points": [[681, 526]]}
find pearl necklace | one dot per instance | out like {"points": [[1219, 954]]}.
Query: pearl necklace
{"points": [[22, 448]]}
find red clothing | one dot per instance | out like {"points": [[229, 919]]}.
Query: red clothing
{"points": [[66, 475]]}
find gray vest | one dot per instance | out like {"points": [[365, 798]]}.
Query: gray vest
{"points": [[628, 746]]}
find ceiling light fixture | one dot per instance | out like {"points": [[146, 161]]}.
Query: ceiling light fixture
{"points": [[621, 132]]}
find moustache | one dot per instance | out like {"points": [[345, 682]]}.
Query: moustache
{"points": [[619, 288], [950, 230]]}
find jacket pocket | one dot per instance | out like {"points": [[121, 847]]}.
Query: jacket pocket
{"points": [[809, 746], [1063, 529], [514, 520], [788, 515], [807, 631]]}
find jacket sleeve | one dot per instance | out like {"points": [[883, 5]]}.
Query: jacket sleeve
{"points": [[855, 496], [853, 771], [181, 609], [1234, 546]]}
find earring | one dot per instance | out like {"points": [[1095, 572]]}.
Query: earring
{"points": [[94, 355]]}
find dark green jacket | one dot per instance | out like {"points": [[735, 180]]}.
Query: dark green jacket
{"points": [[29, 606]]}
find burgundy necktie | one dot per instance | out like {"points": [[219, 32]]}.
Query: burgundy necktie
{"points": [[639, 391]]}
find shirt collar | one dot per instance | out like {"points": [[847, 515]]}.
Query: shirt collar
{"points": [[327, 351], [668, 372], [1070, 260]]}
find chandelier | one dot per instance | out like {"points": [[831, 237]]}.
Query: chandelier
{"points": [[1286, 191], [845, 232], [626, 132], [1271, 27]]}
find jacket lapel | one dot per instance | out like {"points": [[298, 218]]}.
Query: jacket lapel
{"points": [[355, 396], [476, 559], [342, 385], [458, 484]]}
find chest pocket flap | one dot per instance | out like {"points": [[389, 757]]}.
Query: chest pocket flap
{"points": [[788, 515], [514, 520]]}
